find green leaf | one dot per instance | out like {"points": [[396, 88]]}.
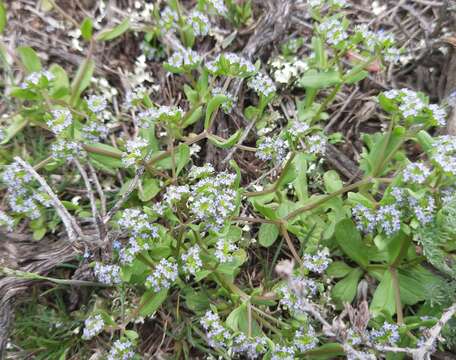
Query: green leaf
{"points": [[148, 190], [3, 18], [226, 144], [108, 161], [212, 106], [349, 240], [132, 335], [354, 77], [320, 52], [326, 351], [87, 28], [319, 80], [232, 321], [425, 140], [332, 181], [61, 83], [345, 290], [17, 124], [110, 34], [39, 233], [85, 75], [151, 301], [194, 117], [29, 58], [383, 299], [268, 234], [338, 269], [300, 183], [197, 301]]}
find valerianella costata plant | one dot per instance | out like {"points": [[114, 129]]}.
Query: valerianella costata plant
{"points": [[288, 263]]}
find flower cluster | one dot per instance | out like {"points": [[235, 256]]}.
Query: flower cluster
{"points": [[218, 6], [93, 325], [199, 23], [444, 153], [298, 129], [230, 64], [423, 209], [66, 149], [163, 113], [388, 334], [37, 78], [294, 295], [364, 218], [61, 119], [192, 260], [6, 221], [228, 104], [96, 103], [175, 194], [197, 172], [333, 30], [23, 197], [305, 339], [217, 335], [183, 60], [224, 249], [107, 274], [251, 348], [95, 131], [412, 106], [379, 40], [272, 149], [164, 275], [262, 85], [316, 144], [283, 352], [136, 151], [416, 173], [318, 262], [213, 199], [168, 18], [389, 219], [141, 232], [122, 349]]}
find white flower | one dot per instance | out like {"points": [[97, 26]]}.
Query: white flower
{"points": [[93, 325], [184, 58], [332, 28], [35, 78], [282, 352], [218, 336], [66, 149], [122, 349], [96, 103], [416, 173], [272, 149], [135, 152], [439, 114], [175, 194], [224, 250], [227, 105], [388, 334], [318, 262], [305, 340], [444, 153], [164, 275], [262, 85], [61, 119], [6, 221], [192, 260], [423, 209], [107, 274], [389, 219], [230, 64], [316, 144], [95, 131], [219, 7], [197, 172], [365, 218], [199, 22]]}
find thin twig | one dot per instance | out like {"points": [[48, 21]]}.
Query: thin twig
{"points": [[72, 228], [98, 187]]}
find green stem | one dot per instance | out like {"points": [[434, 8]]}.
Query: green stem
{"points": [[397, 295]]}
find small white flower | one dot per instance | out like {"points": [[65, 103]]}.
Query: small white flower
{"points": [[96, 103], [199, 22], [262, 85], [164, 275], [416, 173], [135, 152], [122, 349], [318, 262], [332, 28], [61, 119], [6, 221], [388, 334], [107, 274], [389, 219], [192, 260], [93, 325]]}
